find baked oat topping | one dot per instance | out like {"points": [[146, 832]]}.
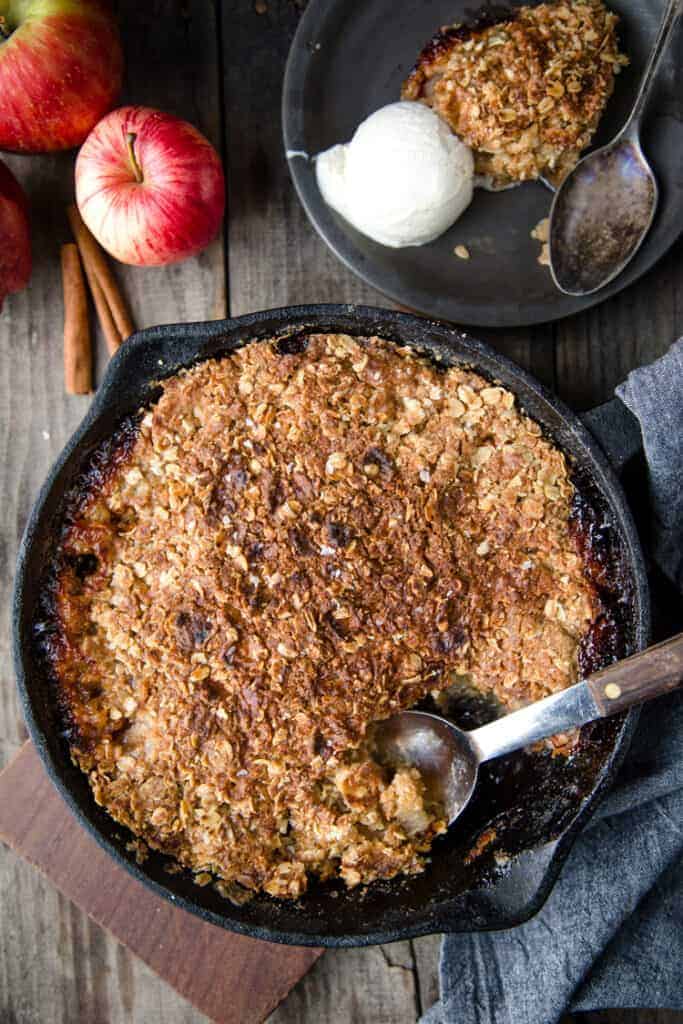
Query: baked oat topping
{"points": [[526, 93], [300, 539], [541, 233]]}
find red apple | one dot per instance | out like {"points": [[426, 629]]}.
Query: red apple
{"points": [[60, 71], [15, 240], [150, 187]]}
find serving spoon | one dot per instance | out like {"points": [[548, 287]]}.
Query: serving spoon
{"points": [[605, 206], [448, 758]]}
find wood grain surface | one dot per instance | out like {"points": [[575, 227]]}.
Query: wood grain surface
{"points": [[220, 65]]}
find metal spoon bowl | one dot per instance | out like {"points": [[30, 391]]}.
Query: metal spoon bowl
{"points": [[600, 217], [448, 758], [604, 208]]}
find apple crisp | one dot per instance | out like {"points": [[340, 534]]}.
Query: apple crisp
{"points": [[295, 541], [525, 92]]}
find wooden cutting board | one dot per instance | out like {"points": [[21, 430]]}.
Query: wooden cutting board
{"points": [[228, 977]]}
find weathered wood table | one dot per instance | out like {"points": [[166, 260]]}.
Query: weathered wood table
{"points": [[220, 65]]}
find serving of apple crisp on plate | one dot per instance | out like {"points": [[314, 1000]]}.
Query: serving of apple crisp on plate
{"points": [[525, 89], [406, 127]]}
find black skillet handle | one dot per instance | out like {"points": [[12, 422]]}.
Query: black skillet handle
{"points": [[616, 430]]}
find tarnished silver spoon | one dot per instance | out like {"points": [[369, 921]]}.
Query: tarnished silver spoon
{"points": [[448, 758], [604, 208]]}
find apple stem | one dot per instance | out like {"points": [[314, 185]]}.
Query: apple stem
{"points": [[5, 32], [137, 170]]}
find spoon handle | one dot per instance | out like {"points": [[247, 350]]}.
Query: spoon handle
{"points": [[645, 675], [673, 10]]}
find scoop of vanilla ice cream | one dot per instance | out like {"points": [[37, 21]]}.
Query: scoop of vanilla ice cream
{"points": [[403, 179]]}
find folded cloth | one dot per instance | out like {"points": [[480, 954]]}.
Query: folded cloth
{"points": [[611, 933], [655, 395]]}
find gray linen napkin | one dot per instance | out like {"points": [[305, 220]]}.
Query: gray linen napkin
{"points": [[611, 933]]}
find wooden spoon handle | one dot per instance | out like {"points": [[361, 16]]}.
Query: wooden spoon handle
{"points": [[649, 674]]}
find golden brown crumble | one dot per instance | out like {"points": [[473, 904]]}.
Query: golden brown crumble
{"points": [[294, 546], [525, 94], [541, 233], [484, 840]]}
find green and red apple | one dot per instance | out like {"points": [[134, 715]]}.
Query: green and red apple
{"points": [[60, 70], [150, 187]]}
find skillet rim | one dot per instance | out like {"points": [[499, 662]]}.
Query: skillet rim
{"points": [[346, 317]]}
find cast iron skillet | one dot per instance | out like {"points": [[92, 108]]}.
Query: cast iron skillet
{"points": [[537, 804]]}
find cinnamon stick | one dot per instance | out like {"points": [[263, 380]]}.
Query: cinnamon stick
{"points": [[104, 313], [77, 347], [112, 311]]}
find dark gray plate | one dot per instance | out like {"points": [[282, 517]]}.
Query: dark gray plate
{"points": [[349, 57]]}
